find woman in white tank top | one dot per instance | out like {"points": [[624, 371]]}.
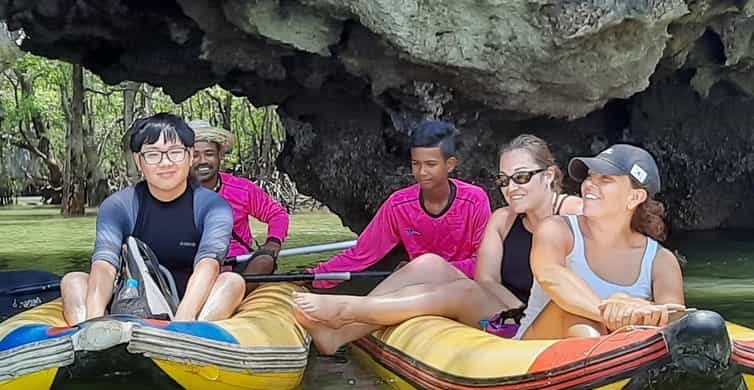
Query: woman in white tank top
{"points": [[604, 270]]}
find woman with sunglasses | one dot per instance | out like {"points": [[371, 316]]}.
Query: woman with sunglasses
{"points": [[529, 181], [604, 270]]}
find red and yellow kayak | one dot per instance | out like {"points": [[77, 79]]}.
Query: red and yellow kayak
{"points": [[743, 352], [438, 353], [260, 347]]}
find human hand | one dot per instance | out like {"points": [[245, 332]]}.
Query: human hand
{"points": [[272, 246], [655, 315], [617, 311]]}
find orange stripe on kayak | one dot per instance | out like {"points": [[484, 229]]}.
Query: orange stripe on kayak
{"points": [[570, 351], [585, 373], [743, 354]]}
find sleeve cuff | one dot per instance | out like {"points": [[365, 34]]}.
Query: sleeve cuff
{"points": [[275, 240]]}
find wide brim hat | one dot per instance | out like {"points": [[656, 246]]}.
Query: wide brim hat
{"points": [[204, 131]]}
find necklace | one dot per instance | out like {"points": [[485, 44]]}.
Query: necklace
{"points": [[218, 184]]}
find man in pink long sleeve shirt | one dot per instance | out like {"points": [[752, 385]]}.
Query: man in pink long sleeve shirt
{"points": [[437, 215], [245, 198]]}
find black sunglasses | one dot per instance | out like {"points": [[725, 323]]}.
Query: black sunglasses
{"points": [[521, 177]]}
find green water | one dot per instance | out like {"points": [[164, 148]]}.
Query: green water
{"points": [[718, 274]]}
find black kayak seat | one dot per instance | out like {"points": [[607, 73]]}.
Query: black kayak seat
{"points": [[22, 290]]}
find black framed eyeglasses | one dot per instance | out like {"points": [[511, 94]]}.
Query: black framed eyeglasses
{"points": [[154, 157], [521, 177]]}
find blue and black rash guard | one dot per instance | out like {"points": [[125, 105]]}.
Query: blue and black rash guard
{"points": [[195, 226]]}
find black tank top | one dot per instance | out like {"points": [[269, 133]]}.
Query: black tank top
{"points": [[515, 271], [169, 229]]}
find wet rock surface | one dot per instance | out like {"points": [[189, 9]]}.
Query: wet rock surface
{"points": [[351, 77]]}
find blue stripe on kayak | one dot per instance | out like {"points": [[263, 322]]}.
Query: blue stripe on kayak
{"points": [[201, 329], [28, 334]]}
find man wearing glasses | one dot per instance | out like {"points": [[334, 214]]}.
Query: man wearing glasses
{"points": [[187, 226]]}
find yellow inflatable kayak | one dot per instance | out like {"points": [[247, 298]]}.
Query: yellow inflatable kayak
{"points": [[260, 347], [438, 353]]}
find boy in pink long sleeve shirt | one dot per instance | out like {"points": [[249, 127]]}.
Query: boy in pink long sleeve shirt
{"points": [[438, 215], [245, 198], [454, 235]]}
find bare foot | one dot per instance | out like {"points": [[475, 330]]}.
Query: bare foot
{"points": [[331, 310], [324, 337]]}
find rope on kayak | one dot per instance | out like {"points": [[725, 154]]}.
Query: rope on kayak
{"points": [[623, 329]]}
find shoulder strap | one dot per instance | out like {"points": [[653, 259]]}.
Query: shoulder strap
{"points": [[578, 239], [649, 258], [559, 204], [241, 241]]}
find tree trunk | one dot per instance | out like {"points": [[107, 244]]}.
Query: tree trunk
{"points": [[129, 106], [42, 147], [74, 184], [96, 183], [227, 111], [266, 152]]}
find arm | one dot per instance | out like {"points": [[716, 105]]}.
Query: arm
{"points": [[667, 280], [490, 257], [551, 244], [572, 205], [265, 209], [100, 288], [377, 239], [216, 224], [110, 232]]}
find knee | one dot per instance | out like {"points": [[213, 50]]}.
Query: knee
{"points": [[429, 263], [583, 330], [74, 279], [231, 281]]}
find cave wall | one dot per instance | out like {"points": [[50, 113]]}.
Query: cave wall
{"points": [[350, 77]]}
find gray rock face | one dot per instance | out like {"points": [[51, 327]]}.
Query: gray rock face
{"points": [[351, 76]]}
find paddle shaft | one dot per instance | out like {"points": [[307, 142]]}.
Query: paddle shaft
{"points": [[241, 259], [319, 276], [303, 250]]}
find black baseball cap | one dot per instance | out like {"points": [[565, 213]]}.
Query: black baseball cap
{"points": [[620, 159]]}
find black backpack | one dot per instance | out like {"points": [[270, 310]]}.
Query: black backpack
{"points": [[157, 296]]}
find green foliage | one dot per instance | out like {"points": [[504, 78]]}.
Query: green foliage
{"points": [[104, 114]]}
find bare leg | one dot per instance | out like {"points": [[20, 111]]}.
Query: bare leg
{"points": [[461, 300], [327, 339], [224, 298], [556, 323], [421, 272], [428, 268], [262, 265], [73, 289]]}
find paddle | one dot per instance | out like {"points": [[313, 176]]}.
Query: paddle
{"points": [[303, 250], [319, 276]]}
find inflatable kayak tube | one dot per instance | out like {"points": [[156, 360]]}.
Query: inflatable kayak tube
{"points": [[743, 352], [437, 353], [260, 347]]}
